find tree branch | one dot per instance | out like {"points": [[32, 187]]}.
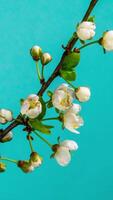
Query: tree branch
{"points": [[55, 73]]}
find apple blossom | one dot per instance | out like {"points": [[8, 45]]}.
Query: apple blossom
{"points": [[86, 30], [62, 152], [107, 40], [72, 120], [63, 97], [5, 116], [83, 94], [31, 107]]}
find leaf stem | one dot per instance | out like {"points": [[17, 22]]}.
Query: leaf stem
{"points": [[8, 159], [43, 139], [88, 44]]}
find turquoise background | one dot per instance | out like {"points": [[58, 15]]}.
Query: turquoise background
{"points": [[50, 24]]}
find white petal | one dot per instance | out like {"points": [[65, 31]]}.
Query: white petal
{"points": [[25, 106], [70, 144], [33, 113], [63, 156]]}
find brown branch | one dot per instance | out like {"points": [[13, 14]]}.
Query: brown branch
{"points": [[55, 73]]}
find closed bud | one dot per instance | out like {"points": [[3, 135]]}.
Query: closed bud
{"points": [[83, 94], [107, 40], [7, 137], [25, 166], [86, 30], [35, 159], [2, 167], [36, 52], [5, 116], [46, 58]]}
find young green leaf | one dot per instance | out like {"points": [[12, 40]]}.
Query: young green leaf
{"points": [[38, 125], [91, 19], [71, 60], [69, 75]]}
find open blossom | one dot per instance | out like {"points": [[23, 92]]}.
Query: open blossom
{"points": [[107, 40], [5, 116], [83, 94], [7, 137], [31, 107], [72, 120], [62, 153], [45, 58], [35, 159], [86, 30], [63, 97]]}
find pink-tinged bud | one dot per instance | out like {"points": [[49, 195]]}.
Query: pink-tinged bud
{"points": [[25, 166], [35, 159]]}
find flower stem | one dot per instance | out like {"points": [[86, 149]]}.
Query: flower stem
{"points": [[31, 146], [52, 118], [38, 71], [88, 44], [70, 84], [8, 159], [43, 139]]}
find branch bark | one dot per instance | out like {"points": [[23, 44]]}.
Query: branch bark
{"points": [[55, 73]]}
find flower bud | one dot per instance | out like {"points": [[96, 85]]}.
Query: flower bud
{"points": [[83, 94], [25, 166], [36, 52], [86, 30], [5, 116], [2, 167], [46, 58], [107, 40], [7, 137], [35, 159]]}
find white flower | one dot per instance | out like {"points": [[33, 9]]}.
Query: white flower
{"points": [[62, 154], [86, 30], [63, 97], [31, 107], [7, 137], [35, 159], [36, 52], [5, 116], [83, 94], [107, 40], [72, 120], [46, 58]]}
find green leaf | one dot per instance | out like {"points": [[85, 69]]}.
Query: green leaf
{"points": [[71, 60], [91, 19], [38, 125], [42, 114], [69, 75]]}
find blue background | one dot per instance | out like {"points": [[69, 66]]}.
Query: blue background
{"points": [[50, 24]]}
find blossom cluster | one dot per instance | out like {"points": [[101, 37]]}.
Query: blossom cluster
{"points": [[62, 100]]}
